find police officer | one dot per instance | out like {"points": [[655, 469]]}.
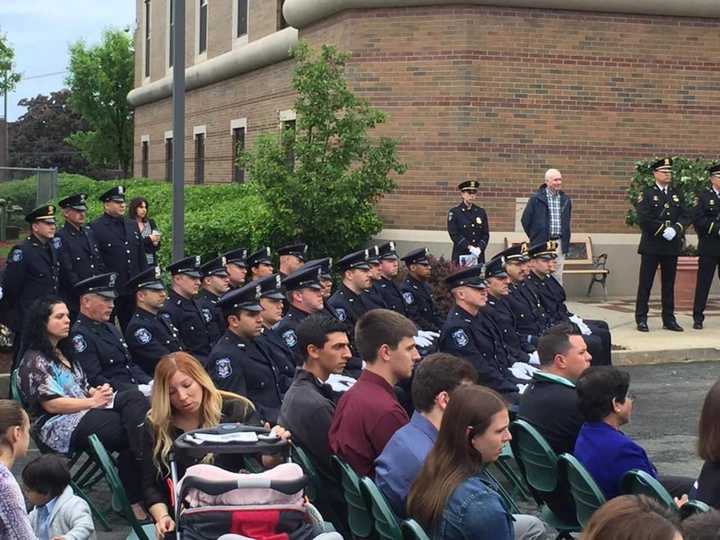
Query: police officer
{"points": [[79, 252], [372, 297], [260, 264], [386, 287], [236, 266], [215, 283], [326, 279], [663, 217], [98, 345], [468, 225], [236, 362], [148, 335], [346, 301], [121, 247], [292, 257], [183, 311], [707, 225], [417, 295]]}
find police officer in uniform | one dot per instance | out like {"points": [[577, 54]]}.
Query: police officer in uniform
{"points": [[468, 225], [237, 364], [663, 217], [215, 283], [417, 295], [372, 297], [260, 264], [386, 287], [707, 225], [98, 345], [148, 335], [236, 266], [347, 301], [326, 279], [292, 257], [121, 247], [183, 311]]}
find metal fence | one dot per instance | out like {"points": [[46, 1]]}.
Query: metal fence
{"points": [[21, 190], [45, 180]]}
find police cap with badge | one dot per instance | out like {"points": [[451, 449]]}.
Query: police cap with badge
{"points": [[374, 255], [261, 256], [388, 252], [357, 260], [469, 185], [245, 298], [116, 194], [271, 287], [714, 170], [417, 256], [236, 256], [45, 213], [515, 253], [496, 268], [296, 250], [474, 277], [215, 267], [189, 266], [325, 265], [307, 277], [664, 164], [150, 278], [544, 250], [102, 285], [74, 202]]}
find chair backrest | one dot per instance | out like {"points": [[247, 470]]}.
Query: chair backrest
{"points": [[118, 491], [538, 460], [585, 491], [300, 457], [413, 531], [386, 523], [637, 482], [15, 392], [692, 507], [359, 514]]}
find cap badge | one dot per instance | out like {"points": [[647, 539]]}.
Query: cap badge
{"points": [[111, 280], [197, 260], [158, 272]]}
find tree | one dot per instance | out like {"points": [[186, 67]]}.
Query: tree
{"points": [[100, 78], [8, 77], [37, 138], [322, 178]]}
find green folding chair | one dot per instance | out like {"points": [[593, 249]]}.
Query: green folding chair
{"points": [[386, 523], [359, 513], [693, 507], [585, 492], [637, 482], [413, 531], [299, 456], [139, 531], [504, 466]]}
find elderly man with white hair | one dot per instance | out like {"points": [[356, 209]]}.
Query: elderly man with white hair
{"points": [[547, 217]]}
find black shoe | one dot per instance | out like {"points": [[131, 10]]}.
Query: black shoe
{"points": [[697, 325], [642, 326], [673, 326]]}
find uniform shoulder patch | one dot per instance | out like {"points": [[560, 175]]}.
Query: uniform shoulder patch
{"points": [[207, 314], [460, 337], [290, 338], [79, 343], [408, 297], [341, 314], [17, 255], [143, 335], [57, 242], [223, 368]]}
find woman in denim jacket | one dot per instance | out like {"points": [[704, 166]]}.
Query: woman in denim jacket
{"points": [[453, 496]]}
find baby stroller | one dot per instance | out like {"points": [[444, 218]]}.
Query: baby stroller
{"points": [[212, 503]]}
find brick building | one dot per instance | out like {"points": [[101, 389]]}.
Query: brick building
{"points": [[497, 93]]}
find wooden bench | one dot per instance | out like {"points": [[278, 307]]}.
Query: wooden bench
{"points": [[579, 260]]}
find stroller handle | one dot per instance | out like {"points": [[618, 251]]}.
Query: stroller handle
{"points": [[218, 487], [195, 443]]}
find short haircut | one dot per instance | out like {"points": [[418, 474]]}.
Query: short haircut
{"points": [[702, 526], [439, 372], [314, 330], [47, 474], [380, 327], [555, 341], [551, 173], [709, 427], [596, 389]]}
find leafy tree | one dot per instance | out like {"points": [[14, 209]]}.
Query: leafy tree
{"points": [[37, 138], [100, 78], [8, 77], [325, 195]]}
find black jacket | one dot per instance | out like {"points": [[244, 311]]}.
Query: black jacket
{"points": [[498, 309], [286, 328], [657, 211], [80, 256], [212, 314], [120, 245], [536, 218], [706, 221], [468, 227], [391, 294], [419, 305], [186, 316], [150, 337]]}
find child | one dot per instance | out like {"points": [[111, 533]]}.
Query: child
{"points": [[58, 512]]}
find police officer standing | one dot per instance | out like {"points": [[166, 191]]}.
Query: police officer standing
{"points": [[386, 287], [292, 257], [707, 225], [467, 224], [417, 295], [236, 266], [662, 216], [215, 283], [148, 335]]}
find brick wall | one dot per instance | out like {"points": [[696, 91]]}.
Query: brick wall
{"points": [[495, 94]]}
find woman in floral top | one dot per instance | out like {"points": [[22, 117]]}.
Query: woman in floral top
{"points": [[64, 409]]}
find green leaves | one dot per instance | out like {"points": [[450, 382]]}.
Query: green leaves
{"points": [[8, 77]]}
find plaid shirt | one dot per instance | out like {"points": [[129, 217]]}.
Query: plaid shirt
{"points": [[554, 206]]}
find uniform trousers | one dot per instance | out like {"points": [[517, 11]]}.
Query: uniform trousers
{"points": [[119, 431], [707, 265], [668, 268]]}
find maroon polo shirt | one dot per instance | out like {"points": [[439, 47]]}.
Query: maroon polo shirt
{"points": [[365, 419]]}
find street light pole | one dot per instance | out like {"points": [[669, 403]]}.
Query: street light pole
{"points": [[178, 155]]}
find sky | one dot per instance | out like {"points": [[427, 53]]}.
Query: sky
{"points": [[41, 32]]}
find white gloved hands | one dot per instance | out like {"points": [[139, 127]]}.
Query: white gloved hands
{"points": [[340, 383], [428, 334], [475, 251], [521, 388], [534, 358], [423, 342], [522, 371], [669, 233], [584, 328], [146, 389]]}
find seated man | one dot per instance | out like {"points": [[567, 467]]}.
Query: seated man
{"points": [[417, 295], [404, 454], [369, 413], [260, 264], [215, 283], [236, 267], [98, 345], [372, 298], [386, 286], [292, 258]]}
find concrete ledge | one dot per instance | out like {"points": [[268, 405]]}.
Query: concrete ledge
{"points": [[635, 358]]}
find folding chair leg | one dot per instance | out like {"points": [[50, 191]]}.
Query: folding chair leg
{"points": [[99, 516]]}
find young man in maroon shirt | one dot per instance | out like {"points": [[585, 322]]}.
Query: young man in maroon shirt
{"points": [[369, 413]]}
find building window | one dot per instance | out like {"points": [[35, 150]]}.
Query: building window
{"points": [[281, 22], [171, 32], [145, 153], [147, 38], [238, 146], [288, 138], [200, 158], [241, 28], [203, 26], [168, 159]]}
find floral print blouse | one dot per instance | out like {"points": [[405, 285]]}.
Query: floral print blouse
{"points": [[14, 520]]}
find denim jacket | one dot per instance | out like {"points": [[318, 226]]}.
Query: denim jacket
{"points": [[475, 511]]}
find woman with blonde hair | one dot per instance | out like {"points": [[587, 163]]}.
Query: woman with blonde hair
{"points": [[183, 398]]}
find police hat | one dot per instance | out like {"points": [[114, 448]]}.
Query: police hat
{"points": [[215, 267], [76, 202], [355, 260], [236, 256], [473, 276], [714, 170], [246, 297], [324, 264], [296, 250], [147, 279], [190, 266], [469, 185], [261, 256], [307, 277], [271, 287], [515, 253], [417, 256], [388, 252], [374, 255], [544, 250], [664, 164], [496, 268], [45, 212], [103, 284], [116, 194]]}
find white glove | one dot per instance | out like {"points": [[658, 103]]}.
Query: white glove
{"points": [[669, 233], [146, 389], [427, 334], [340, 383], [523, 371], [584, 328], [534, 358], [474, 250], [421, 341], [521, 388]]}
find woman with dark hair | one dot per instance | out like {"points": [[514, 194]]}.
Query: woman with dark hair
{"points": [[707, 486], [632, 517], [453, 496], [64, 408], [605, 451], [138, 212]]}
